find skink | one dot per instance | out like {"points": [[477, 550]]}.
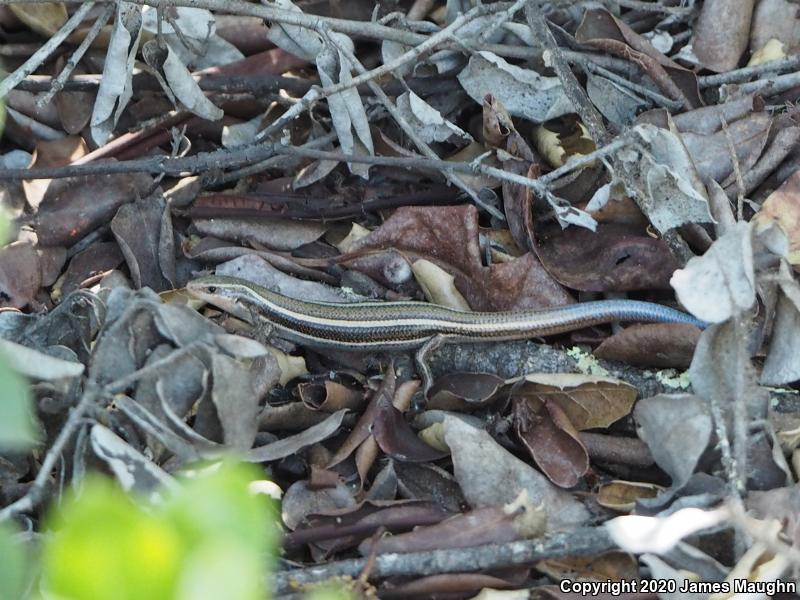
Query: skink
{"points": [[409, 325]]}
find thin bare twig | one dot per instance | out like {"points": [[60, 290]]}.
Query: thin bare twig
{"points": [[738, 75], [35, 492], [579, 542], [659, 99], [573, 90], [41, 55], [58, 83], [411, 132], [315, 94], [252, 154]]}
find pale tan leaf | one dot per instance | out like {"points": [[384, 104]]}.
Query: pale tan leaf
{"points": [[45, 18], [589, 401]]}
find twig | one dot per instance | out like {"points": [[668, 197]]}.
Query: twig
{"points": [[315, 94], [41, 55], [655, 7], [58, 83], [738, 75], [35, 492], [573, 90], [411, 132], [737, 171], [270, 163], [659, 99], [579, 542], [252, 154], [768, 86]]}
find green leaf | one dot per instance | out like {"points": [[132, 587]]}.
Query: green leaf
{"points": [[211, 539], [17, 428], [216, 503], [105, 546], [13, 566]]}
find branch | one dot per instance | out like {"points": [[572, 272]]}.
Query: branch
{"points": [[41, 55], [580, 542], [35, 493], [94, 31], [220, 159]]}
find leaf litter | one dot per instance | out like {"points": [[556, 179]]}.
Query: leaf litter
{"points": [[646, 150]]}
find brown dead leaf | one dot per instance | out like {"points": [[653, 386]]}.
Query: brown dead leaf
{"points": [[588, 401], [545, 431], [329, 396], [491, 525], [722, 33], [348, 526], [663, 345], [616, 257], [96, 259], [518, 158], [143, 230], [20, 274], [448, 236], [75, 206], [603, 30]]}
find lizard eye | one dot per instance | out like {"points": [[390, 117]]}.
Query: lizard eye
{"points": [[212, 289]]}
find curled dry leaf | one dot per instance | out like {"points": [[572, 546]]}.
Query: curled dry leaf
{"points": [[672, 193], [623, 495], [600, 29], [427, 121], [491, 525], [36, 364], [133, 471], [463, 391], [177, 82], [116, 83], [295, 443], [438, 285], [517, 157], [143, 230]]}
